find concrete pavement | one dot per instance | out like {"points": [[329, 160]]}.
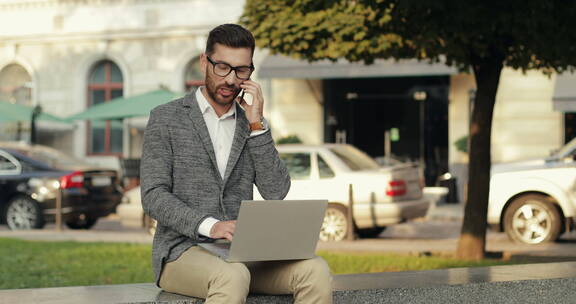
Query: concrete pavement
{"points": [[528, 283]]}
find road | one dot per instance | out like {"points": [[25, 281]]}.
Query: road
{"points": [[418, 237]]}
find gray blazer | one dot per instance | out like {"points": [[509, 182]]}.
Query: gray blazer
{"points": [[180, 182]]}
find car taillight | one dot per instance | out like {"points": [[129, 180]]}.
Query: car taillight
{"points": [[396, 188], [72, 180]]}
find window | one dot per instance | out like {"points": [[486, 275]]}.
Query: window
{"points": [[194, 76], [105, 83], [298, 164], [15, 85], [7, 166], [53, 158], [323, 169]]}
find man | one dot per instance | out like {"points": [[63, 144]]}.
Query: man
{"points": [[201, 156]]}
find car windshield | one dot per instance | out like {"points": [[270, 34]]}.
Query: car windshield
{"points": [[53, 158], [354, 158], [567, 150]]}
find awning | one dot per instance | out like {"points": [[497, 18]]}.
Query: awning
{"points": [[10, 112], [564, 98], [125, 107], [278, 66]]}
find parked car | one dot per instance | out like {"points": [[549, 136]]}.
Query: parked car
{"points": [[32, 176], [382, 196], [534, 201]]}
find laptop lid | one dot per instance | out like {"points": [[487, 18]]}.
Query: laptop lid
{"points": [[277, 230]]}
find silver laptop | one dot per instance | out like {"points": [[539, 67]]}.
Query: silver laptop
{"points": [[273, 230]]}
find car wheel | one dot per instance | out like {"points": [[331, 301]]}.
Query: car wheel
{"points": [[24, 213], [81, 222], [367, 233], [532, 219], [335, 225]]}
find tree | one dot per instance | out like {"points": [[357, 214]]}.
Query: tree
{"points": [[472, 35]]}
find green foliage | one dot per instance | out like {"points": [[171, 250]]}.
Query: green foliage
{"points": [[462, 144], [38, 264], [315, 30], [527, 34], [290, 139]]}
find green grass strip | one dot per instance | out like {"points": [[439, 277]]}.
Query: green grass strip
{"points": [[35, 264], [38, 264], [344, 263]]}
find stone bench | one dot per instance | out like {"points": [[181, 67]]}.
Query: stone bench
{"points": [[528, 283]]}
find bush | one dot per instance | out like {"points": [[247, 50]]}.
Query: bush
{"points": [[290, 139], [462, 144]]}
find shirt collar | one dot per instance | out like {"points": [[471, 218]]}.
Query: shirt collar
{"points": [[205, 105]]}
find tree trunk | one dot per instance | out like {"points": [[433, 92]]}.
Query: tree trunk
{"points": [[472, 242]]}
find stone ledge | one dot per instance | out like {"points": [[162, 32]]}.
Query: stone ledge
{"points": [[528, 283]]}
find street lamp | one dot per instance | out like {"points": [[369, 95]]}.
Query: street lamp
{"points": [[35, 113]]}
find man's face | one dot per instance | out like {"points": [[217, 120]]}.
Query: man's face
{"points": [[223, 90]]}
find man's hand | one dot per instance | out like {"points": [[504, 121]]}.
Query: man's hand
{"points": [[223, 230], [255, 110]]}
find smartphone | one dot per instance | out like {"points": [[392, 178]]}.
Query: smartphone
{"points": [[248, 97], [242, 95]]}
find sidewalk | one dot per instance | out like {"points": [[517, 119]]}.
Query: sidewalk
{"points": [[108, 229], [440, 210], [49, 234], [446, 212], [444, 218]]}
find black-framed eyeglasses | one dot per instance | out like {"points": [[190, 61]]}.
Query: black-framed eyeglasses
{"points": [[222, 69]]}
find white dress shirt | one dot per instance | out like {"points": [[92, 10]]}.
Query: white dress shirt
{"points": [[221, 130]]}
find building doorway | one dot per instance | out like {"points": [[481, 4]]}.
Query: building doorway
{"points": [[413, 110], [569, 126]]}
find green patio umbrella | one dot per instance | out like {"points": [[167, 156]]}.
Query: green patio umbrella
{"points": [[126, 107], [10, 112]]}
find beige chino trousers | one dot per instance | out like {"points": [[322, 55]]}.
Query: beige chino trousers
{"points": [[200, 274]]}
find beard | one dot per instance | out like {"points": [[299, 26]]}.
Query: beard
{"points": [[212, 90]]}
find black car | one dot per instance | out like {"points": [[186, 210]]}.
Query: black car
{"points": [[30, 178]]}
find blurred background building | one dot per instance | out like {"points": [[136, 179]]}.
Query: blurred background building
{"points": [[68, 55]]}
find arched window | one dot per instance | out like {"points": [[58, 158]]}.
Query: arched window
{"points": [[105, 83], [15, 85], [194, 75]]}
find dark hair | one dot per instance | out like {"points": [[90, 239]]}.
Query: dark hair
{"points": [[230, 35]]}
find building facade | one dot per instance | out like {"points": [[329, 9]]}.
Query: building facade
{"points": [[67, 55]]}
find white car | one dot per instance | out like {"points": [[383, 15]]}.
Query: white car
{"points": [[534, 201], [381, 196]]}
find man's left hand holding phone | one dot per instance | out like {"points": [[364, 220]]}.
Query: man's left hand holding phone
{"points": [[254, 110]]}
